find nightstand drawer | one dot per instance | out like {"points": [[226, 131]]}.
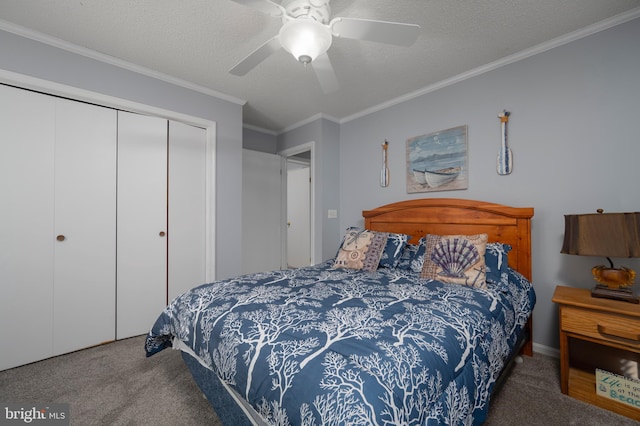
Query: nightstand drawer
{"points": [[613, 328]]}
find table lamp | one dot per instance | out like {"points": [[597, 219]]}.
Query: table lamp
{"points": [[606, 235]]}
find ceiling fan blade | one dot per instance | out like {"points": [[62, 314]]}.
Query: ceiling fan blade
{"points": [[254, 58], [264, 6], [325, 74], [378, 31]]}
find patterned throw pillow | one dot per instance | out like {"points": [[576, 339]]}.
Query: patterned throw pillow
{"points": [[413, 256], [361, 249], [456, 259], [393, 249], [497, 261]]}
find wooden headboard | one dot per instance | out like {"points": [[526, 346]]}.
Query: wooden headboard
{"points": [[446, 216]]}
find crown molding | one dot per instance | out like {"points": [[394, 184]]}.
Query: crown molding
{"points": [[92, 54], [543, 47], [311, 119]]}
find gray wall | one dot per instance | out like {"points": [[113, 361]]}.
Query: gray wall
{"points": [[35, 59], [257, 140], [573, 131]]}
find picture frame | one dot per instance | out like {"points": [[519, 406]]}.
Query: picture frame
{"points": [[438, 161]]}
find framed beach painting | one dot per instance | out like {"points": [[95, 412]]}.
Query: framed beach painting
{"points": [[438, 161]]}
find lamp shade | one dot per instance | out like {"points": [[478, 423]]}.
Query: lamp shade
{"points": [[602, 234], [305, 39]]}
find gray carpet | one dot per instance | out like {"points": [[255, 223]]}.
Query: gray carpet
{"points": [[531, 396], [115, 384]]}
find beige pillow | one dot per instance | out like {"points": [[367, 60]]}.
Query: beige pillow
{"points": [[456, 259], [361, 249]]}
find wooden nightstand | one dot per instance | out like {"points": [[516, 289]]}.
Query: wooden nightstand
{"points": [[596, 333]]}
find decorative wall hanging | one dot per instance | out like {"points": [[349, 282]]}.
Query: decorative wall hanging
{"points": [[438, 161], [384, 173], [505, 158]]}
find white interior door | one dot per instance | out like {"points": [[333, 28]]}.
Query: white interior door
{"points": [[298, 215], [296, 156], [261, 211], [187, 207], [26, 228], [142, 222], [85, 226]]}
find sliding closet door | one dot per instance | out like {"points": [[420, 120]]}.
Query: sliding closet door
{"points": [[187, 207], [85, 226], [141, 222], [26, 228]]}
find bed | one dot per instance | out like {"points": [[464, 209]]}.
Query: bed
{"points": [[382, 334]]}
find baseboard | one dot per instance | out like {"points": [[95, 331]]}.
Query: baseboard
{"points": [[546, 350]]}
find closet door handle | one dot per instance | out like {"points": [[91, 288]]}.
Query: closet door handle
{"points": [[60, 238], [162, 233]]}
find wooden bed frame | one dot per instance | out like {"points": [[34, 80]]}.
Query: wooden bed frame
{"points": [[447, 216], [416, 218]]}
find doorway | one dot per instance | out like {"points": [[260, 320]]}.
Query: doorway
{"points": [[298, 206], [299, 210]]}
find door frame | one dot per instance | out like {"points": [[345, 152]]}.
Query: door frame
{"points": [[284, 154], [74, 93]]}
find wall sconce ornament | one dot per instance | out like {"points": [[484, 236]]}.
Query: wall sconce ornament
{"points": [[384, 173], [505, 158]]}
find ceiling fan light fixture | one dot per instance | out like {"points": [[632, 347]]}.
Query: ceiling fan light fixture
{"points": [[305, 39]]}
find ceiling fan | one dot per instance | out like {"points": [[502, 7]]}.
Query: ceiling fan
{"points": [[307, 34]]}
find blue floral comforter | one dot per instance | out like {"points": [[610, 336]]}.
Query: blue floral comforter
{"points": [[322, 346]]}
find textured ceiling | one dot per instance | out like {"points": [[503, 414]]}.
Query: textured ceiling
{"points": [[198, 41]]}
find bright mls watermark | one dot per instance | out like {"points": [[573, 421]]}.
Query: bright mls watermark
{"points": [[35, 414]]}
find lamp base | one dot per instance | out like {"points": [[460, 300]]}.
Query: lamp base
{"points": [[613, 277], [624, 294]]}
